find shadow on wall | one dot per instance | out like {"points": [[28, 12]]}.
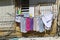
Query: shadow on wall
{"points": [[33, 2], [5, 2]]}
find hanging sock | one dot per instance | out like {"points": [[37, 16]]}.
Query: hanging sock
{"points": [[31, 24], [47, 20], [23, 25], [27, 24], [41, 25]]}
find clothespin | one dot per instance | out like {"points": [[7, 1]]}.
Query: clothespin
{"points": [[30, 16]]}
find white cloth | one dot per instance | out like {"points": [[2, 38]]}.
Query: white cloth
{"points": [[23, 25], [36, 26], [26, 14], [18, 19], [47, 20]]}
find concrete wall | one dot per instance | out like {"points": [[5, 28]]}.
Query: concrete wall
{"points": [[6, 11]]}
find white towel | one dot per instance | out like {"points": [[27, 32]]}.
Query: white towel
{"points": [[47, 19]]}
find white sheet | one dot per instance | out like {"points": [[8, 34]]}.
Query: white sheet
{"points": [[47, 19]]}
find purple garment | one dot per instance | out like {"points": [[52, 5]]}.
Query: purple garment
{"points": [[31, 23]]}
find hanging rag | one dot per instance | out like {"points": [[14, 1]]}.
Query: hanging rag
{"points": [[41, 25], [27, 24], [47, 20], [31, 24], [18, 19], [37, 14], [36, 26], [23, 25]]}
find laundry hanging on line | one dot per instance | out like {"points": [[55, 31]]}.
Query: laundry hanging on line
{"points": [[17, 18], [41, 25], [47, 19], [26, 24], [31, 24], [19, 12], [26, 14], [38, 25], [23, 25]]}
